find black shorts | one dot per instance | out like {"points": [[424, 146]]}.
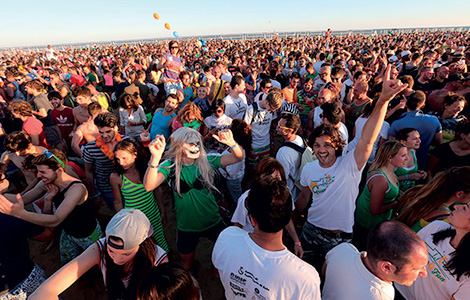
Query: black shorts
{"points": [[186, 242]]}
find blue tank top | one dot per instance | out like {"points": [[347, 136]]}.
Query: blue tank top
{"points": [[160, 125]]}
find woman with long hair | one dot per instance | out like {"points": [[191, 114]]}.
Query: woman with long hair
{"points": [[268, 166], [123, 257], [449, 263], [380, 193], [421, 205], [191, 173], [132, 116], [189, 116], [130, 163]]}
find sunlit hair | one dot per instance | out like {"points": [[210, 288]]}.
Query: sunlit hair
{"points": [[188, 110], [175, 153], [167, 281], [385, 152], [269, 165], [419, 201]]}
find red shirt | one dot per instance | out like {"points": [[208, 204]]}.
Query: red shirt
{"points": [[33, 126], [65, 121], [77, 80]]}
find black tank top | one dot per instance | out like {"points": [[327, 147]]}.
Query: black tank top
{"points": [[81, 222]]}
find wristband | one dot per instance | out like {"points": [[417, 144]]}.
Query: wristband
{"points": [[407, 177], [153, 167], [94, 196], [234, 146], [298, 243]]}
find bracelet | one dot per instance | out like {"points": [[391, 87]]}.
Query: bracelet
{"points": [[407, 177], [298, 243], [153, 167], [234, 146]]}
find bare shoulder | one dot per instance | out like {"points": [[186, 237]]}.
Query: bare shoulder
{"points": [[115, 178]]}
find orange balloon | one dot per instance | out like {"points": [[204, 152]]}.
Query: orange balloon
{"points": [[156, 16], [167, 26]]}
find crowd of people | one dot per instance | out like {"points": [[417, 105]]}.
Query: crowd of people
{"points": [[358, 146]]}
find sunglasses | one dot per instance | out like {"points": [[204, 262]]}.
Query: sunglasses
{"points": [[50, 154], [283, 128]]}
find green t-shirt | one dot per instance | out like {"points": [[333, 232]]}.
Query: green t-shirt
{"points": [[364, 216], [91, 77], [197, 209], [407, 183]]}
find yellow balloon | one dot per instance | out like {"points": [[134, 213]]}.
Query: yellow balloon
{"points": [[198, 43], [167, 26], [156, 16]]}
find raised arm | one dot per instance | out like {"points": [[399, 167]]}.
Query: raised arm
{"points": [[153, 178], [374, 124], [73, 196], [236, 153], [67, 275]]}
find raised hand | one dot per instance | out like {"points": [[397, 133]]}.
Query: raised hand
{"points": [[391, 87], [51, 191], [225, 137], [9, 208], [157, 146]]}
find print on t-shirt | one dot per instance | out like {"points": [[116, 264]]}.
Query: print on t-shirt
{"points": [[319, 186]]}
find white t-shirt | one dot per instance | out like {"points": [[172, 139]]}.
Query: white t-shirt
{"points": [[439, 284], [223, 122], [317, 121], [235, 108], [347, 278], [334, 192], [226, 77], [260, 96], [360, 122], [343, 133], [136, 116], [240, 214], [248, 271], [290, 159], [260, 124], [233, 171]]}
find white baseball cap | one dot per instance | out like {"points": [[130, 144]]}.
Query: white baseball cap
{"points": [[131, 226]]}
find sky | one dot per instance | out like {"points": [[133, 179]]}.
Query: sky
{"points": [[32, 22]]}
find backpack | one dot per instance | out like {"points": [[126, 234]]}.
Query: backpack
{"points": [[255, 111], [307, 156]]}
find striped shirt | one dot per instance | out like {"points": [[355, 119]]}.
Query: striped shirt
{"points": [[171, 71], [136, 197], [102, 166]]}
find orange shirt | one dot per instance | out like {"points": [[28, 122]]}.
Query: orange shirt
{"points": [[290, 95]]}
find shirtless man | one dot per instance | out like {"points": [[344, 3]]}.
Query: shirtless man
{"points": [[18, 145], [80, 113], [87, 131]]}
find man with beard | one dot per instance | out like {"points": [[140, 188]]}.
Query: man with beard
{"points": [[98, 156], [163, 117], [68, 195]]}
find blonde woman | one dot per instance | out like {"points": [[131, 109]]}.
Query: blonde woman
{"points": [[380, 194], [191, 173]]}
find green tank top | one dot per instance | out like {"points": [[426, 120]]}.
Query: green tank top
{"points": [[137, 197], [407, 183], [364, 216]]}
